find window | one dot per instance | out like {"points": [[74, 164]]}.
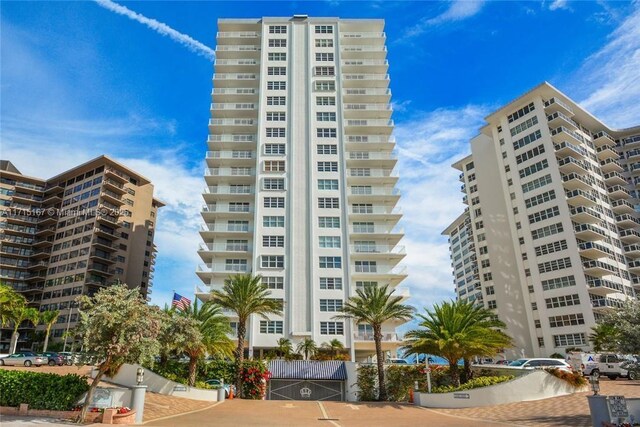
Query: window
{"points": [[550, 248], [521, 112], [328, 203], [485, 263], [324, 42], [277, 56], [325, 116], [331, 328], [273, 241], [329, 241], [330, 283], [274, 149], [558, 282], [276, 117], [325, 86], [492, 304], [277, 42], [330, 262], [563, 301], [536, 167], [277, 71], [540, 198], [276, 100], [274, 202], [327, 184], [330, 305], [273, 184], [324, 71], [366, 266], [271, 326], [329, 222], [487, 277], [326, 133], [277, 29], [489, 290], [327, 166], [326, 100], [540, 342], [274, 166], [524, 125], [275, 132], [272, 261], [324, 57], [273, 282], [324, 29], [553, 265], [527, 140], [235, 265], [273, 221], [565, 340], [545, 214], [527, 155], [537, 324], [547, 231], [536, 183], [275, 85], [327, 149]]}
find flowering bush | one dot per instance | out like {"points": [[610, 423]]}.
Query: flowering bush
{"points": [[255, 376], [123, 410], [574, 378]]}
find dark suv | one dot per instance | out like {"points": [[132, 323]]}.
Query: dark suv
{"points": [[53, 359]]}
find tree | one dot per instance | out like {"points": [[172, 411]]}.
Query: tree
{"points": [[201, 331], [334, 346], [458, 330], [118, 327], [22, 313], [48, 318], [245, 295], [10, 301], [284, 347], [307, 347], [374, 306], [623, 328]]}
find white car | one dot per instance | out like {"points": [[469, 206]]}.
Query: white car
{"points": [[540, 363]]}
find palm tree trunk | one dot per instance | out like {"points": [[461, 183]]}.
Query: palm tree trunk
{"points": [[377, 337], [192, 370], [466, 372], [454, 373], [239, 354], [46, 339]]}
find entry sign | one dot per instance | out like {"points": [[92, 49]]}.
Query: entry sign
{"points": [[618, 407]]}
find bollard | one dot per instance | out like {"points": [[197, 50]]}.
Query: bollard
{"points": [[137, 401]]}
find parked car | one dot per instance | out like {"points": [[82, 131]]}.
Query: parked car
{"points": [[398, 361], [632, 368], [540, 363], [53, 358], [503, 362], [23, 358], [217, 384], [600, 365], [69, 358]]}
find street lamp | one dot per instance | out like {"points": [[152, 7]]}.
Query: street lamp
{"points": [[140, 375], [594, 379]]}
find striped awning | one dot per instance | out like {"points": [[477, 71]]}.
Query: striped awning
{"points": [[308, 370]]}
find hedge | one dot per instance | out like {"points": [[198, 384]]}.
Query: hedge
{"points": [[474, 383], [40, 390]]}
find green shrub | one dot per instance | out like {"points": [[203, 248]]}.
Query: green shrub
{"points": [[367, 383], [179, 371], [474, 383], [41, 391]]}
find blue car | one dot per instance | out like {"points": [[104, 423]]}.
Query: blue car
{"points": [[216, 384]]}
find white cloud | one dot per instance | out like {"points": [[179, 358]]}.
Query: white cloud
{"points": [[458, 10], [612, 77], [431, 199], [559, 4], [160, 28]]}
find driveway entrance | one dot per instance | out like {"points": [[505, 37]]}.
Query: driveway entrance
{"points": [[307, 380]]}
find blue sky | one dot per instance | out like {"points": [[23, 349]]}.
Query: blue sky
{"points": [[78, 80]]}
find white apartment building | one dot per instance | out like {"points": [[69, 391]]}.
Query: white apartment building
{"points": [[550, 237], [301, 185]]}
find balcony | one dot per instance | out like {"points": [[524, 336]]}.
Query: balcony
{"points": [[375, 66], [111, 197], [618, 192], [222, 126], [602, 138], [377, 158], [629, 236], [560, 119], [369, 142], [555, 104], [574, 181], [114, 186], [32, 188], [41, 253], [580, 198], [43, 243], [386, 337], [228, 109], [104, 244], [565, 149], [222, 66], [622, 206], [45, 231], [34, 277], [374, 212], [237, 52], [606, 151], [234, 94], [377, 251], [363, 51], [611, 165], [593, 250], [633, 154], [224, 247], [366, 95], [634, 267], [571, 165], [357, 37], [632, 251], [216, 193], [37, 265], [374, 126], [589, 232], [598, 268], [102, 256], [364, 175], [386, 232], [373, 194], [232, 140], [365, 80], [606, 304], [561, 134], [627, 221], [232, 156], [115, 175], [614, 178], [208, 230], [240, 35], [392, 275], [100, 269], [205, 270], [584, 215], [368, 111], [219, 211], [603, 287]]}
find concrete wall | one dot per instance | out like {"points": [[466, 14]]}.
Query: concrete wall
{"points": [[534, 386], [158, 384], [351, 392]]}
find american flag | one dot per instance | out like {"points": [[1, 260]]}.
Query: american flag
{"points": [[180, 302]]}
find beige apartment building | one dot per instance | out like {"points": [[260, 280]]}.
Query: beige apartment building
{"points": [[74, 234], [550, 237], [301, 185]]}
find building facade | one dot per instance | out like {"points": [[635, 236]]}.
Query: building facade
{"points": [[300, 178], [74, 234], [550, 237]]}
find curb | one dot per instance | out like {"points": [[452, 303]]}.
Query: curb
{"points": [[183, 413]]}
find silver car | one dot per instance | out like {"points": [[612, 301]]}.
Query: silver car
{"points": [[23, 358]]}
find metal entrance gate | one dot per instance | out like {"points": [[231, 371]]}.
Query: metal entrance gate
{"points": [[306, 390]]}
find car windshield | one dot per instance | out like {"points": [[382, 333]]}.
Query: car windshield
{"points": [[518, 362]]}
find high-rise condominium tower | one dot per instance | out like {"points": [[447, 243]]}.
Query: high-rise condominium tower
{"points": [[550, 238], [73, 234], [300, 179]]}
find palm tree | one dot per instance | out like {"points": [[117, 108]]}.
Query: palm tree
{"points": [[604, 337], [307, 347], [245, 295], [48, 318], [284, 347], [10, 301], [206, 333], [334, 346], [458, 330], [20, 314], [375, 305]]}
